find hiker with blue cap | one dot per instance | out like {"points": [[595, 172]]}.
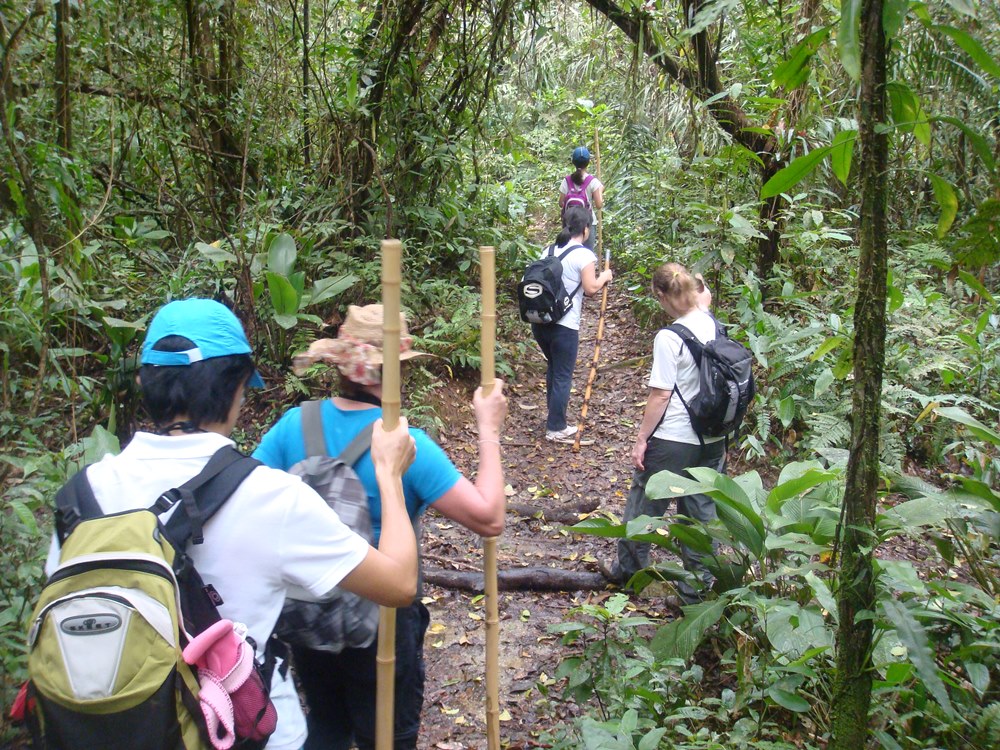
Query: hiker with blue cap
{"points": [[582, 189], [273, 536]]}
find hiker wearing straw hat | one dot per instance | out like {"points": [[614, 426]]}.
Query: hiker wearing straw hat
{"points": [[340, 687]]}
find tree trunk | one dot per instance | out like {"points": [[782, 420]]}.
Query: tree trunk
{"points": [[856, 586], [64, 119], [305, 86]]}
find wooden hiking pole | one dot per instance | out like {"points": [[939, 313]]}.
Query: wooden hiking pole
{"points": [[385, 659], [604, 304], [487, 345]]}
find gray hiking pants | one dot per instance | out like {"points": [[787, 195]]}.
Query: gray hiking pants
{"points": [[667, 455]]}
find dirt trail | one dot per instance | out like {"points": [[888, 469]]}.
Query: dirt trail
{"points": [[549, 476]]}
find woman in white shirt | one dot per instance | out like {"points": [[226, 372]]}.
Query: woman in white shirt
{"points": [[666, 440], [560, 341]]}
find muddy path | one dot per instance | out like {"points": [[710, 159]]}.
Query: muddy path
{"points": [[550, 477]]}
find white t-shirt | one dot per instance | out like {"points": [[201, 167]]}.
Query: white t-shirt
{"points": [[594, 185], [674, 369], [273, 536], [573, 264]]}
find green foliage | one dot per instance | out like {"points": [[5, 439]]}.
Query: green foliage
{"points": [[25, 525], [774, 611]]}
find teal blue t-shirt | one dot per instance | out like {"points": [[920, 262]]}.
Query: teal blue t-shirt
{"points": [[429, 477]]}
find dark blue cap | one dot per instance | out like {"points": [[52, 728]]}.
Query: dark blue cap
{"points": [[581, 156]]}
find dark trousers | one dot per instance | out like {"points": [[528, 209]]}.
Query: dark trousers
{"points": [[667, 455], [340, 689], [559, 344]]}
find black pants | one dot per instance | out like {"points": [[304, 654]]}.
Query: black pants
{"points": [[667, 455], [340, 688]]}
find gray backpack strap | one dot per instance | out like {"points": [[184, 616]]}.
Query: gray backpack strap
{"points": [[357, 447], [312, 433], [312, 429]]}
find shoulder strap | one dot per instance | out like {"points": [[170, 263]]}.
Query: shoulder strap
{"points": [[312, 428], [569, 249], [569, 182], [202, 496], [693, 344], [551, 250], [75, 502], [357, 447], [586, 182]]}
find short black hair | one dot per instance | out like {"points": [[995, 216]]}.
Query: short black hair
{"points": [[203, 391]]}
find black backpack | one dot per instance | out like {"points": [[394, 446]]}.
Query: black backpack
{"points": [[726, 381], [541, 296]]}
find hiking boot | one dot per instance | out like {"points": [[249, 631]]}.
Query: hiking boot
{"points": [[566, 435]]}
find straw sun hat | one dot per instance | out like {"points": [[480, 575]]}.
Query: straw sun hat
{"points": [[357, 350]]}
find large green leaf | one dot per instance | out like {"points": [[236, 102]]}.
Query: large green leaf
{"points": [[893, 15], [664, 485], [914, 637], [679, 639], [848, 37], [213, 253], [794, 173], [742, 522], [907, 112], [841, 153], [595, 526], [977, 428], [792, 487], [281, 254], [972, 47], [794, 71], [947, 201], [284, 298], [330, 287]]}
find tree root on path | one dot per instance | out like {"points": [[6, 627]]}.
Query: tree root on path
{"points": [[518, 579]]}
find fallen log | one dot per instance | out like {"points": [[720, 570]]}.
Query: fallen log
{"points": [[518, 579]]}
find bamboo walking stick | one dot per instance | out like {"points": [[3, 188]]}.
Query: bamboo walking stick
{"points": [[385, 659], [604, 304], [487, 343]]}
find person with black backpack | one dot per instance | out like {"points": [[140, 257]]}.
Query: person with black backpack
{"points": [[134, 529], [339, 679], [579, 188], [694, 360], [565, 265]]}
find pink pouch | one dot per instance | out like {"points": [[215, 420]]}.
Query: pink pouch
{"points": [[233, 696]]}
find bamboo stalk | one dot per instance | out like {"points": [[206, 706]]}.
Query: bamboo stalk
{"points": [[604, 304], [487, 271], [385, 659]]}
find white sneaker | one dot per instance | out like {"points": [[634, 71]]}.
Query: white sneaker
{"points": [[566, 435]]}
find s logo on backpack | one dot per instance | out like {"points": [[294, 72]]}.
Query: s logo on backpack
{"points": [[541, 295]]}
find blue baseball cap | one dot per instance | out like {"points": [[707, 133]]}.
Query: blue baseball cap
{"points": [[214, 329], [581, 156]]}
